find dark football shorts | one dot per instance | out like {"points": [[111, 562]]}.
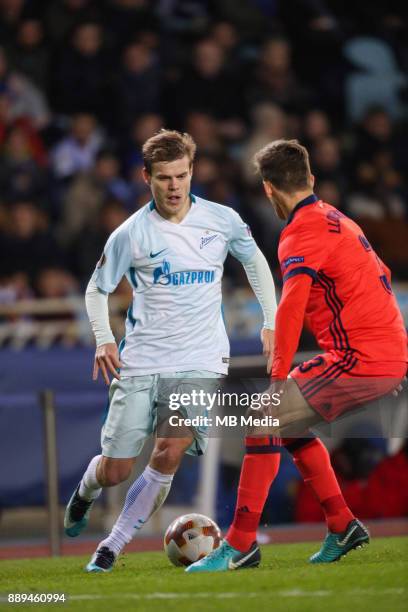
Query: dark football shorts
{"points": [[336, 382]]}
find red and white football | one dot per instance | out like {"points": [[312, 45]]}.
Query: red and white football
{"points": [[191, 537]]}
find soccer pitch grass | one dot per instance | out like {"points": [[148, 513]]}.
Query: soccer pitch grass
{"points": [[374, 579]]}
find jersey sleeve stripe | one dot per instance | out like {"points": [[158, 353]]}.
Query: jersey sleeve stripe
{"points": [[300, 270]]}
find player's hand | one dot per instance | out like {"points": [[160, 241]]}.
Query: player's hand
{"points": [[268, 343], [275, 392], [400, 387], [277, 386], [106, 360], [270, 407]]}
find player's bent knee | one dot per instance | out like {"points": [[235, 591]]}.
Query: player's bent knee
{"points": [[167, 456], [112, 472], [112, 479]]}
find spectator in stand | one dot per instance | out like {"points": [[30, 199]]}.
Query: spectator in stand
{"points": [[252, 18], [11, 12], [28, 245], [30, 55], [78, 150], [316, 126], [180, 17], [329, 191], [26, 100], [21, 173], [88, 245], [205, 131], [274, 78], [54, 283], [136, 89], [377, 191], [227, 36], [88, 192], [143, 128], [375, 132], [126, 19], [207, 86], [206, 169], [7, 123], [269, 123], [377, 166], [81, 74], [13, 288], [314, 26], [326, 157], [140, 192], [61, 16]]}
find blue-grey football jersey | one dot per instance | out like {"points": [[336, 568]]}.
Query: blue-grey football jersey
{"points": [[174, 322]]}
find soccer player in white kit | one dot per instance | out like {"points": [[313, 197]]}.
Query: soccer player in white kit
{"points": [[172, 252]]}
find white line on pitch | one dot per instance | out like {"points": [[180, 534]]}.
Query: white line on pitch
{"points": [[233, 594]]}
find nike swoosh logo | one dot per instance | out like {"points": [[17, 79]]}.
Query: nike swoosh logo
{"points": [[346, 539], [156, 254], [232, 565]]}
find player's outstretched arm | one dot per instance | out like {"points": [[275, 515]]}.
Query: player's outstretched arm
{"points": [[261, 280], [289, 323], [106, 354]]}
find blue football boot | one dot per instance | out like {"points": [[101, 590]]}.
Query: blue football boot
{"points": [[225, 558], [336, 545], [102, 560], [76, 514]]}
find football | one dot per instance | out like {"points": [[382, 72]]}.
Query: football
{"points": [[191, 537]]}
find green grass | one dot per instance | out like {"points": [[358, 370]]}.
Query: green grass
{"points": [[372, 579]]}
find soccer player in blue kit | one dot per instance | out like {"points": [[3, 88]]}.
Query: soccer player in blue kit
{"points": [[172, 252]]}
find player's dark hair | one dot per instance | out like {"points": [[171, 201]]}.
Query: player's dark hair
{"points": [[167, 146], [285, 164]]}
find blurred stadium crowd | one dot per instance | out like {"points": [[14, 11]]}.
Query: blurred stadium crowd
{"points": [[84, 83]]}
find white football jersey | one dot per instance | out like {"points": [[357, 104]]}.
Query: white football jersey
{"points": [[174, 322]]}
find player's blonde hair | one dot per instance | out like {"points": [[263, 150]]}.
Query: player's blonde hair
{"points": [[285, 164], [166, 146]]}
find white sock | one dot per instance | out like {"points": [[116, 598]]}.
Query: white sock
{"points": [[144, 497], [89, 487]]}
